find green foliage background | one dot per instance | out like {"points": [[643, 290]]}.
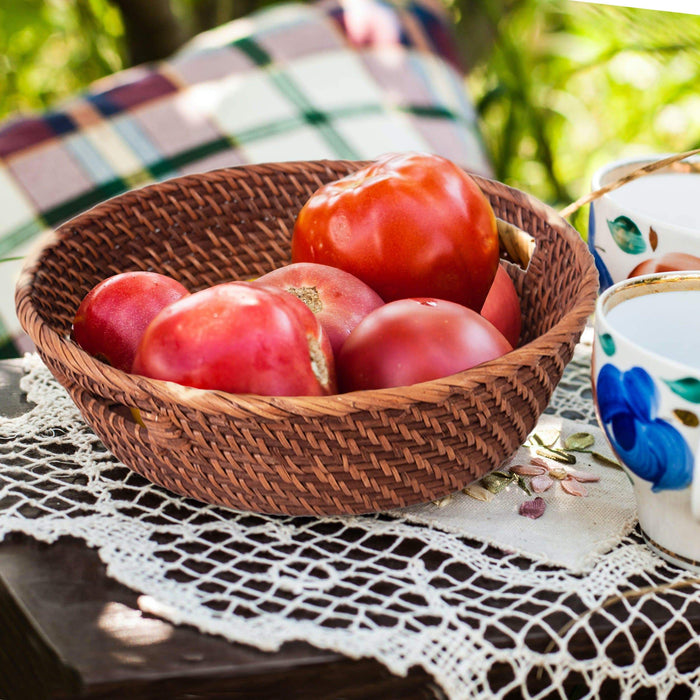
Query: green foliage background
{"points": [[573, 85], [50, 49], [566, 87]]}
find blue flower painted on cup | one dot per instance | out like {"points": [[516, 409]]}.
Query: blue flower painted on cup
{"points": [[650, 446], [604, 277]]}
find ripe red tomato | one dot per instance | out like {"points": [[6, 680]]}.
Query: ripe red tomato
{"points": [[339, 300], [416, 340], [242, 338], [408, 225], [114, 314], [502, 307]]}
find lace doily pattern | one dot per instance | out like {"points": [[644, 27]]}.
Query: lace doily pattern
{"points": [[375, 586], [573, 397]]}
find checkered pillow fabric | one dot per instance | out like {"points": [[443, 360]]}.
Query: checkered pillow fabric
{"points": [[292, 82]]}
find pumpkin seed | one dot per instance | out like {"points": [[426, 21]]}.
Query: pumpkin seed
{"points": [[557, 455], [478, 492]]}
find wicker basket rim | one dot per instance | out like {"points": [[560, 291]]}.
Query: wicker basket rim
{"points": [[338, 404]]}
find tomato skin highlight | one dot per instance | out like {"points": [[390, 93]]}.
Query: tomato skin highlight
{"points": [[408, 225], [416, 340], [241, 338]]}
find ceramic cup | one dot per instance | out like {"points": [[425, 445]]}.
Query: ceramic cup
{"points": [[646, 384], [651, 224]]}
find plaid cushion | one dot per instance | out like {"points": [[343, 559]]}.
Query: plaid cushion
{"points": [[290, 82]]}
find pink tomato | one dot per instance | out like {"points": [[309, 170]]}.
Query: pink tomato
{"points": [[239, 337], [114, 314], [416, 340], [339, 300], [502, 307]]}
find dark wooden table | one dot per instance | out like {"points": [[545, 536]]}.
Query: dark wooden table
{"points": [[69, 631]]}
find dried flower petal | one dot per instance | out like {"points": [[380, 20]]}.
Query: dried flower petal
{"points": [[558, 473], [579, 441], [442, 502], [546, 438], [539, 462], [584, 477], [528, 469], [606, 461], [532, 509], [572, 487], [523, 485], [541, 483], [478, 492], [495, 482]]}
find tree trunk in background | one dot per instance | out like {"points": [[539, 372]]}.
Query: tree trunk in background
{"points": [[477, 26], [212, 13], [152, 29]]}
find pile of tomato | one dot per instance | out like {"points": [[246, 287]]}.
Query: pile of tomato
{"points": [[394, 278]]}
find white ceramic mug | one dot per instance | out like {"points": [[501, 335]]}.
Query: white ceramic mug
{"points": [[648, 225], [646, 383]]}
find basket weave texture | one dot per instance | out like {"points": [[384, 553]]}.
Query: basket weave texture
{"points": [[359, 452]]}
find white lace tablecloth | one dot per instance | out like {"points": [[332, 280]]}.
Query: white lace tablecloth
{"points": [[426, 587]]}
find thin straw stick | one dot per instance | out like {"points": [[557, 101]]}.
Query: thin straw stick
{"points": [[639, 172]]}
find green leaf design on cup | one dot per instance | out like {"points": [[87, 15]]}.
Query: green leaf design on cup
{"points": [[687, 388], [627, 236], [608, 344]]}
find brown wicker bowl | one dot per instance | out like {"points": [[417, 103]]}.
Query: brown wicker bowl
{"points": [[360, 452]]}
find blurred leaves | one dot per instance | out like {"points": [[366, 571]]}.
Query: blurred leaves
{"points": [[50, 49], [562, 87], [570, 86]]}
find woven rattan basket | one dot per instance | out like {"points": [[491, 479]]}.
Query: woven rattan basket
{"points": [[351, 453]]}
